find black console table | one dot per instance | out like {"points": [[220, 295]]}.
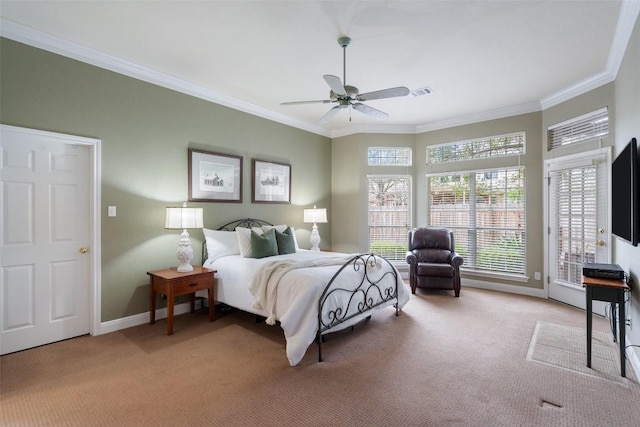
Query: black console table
{"points": [[610, 291]]}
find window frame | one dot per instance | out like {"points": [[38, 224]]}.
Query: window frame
{"points": [[395, 149], [401, 243], [473, 229], [578, 130], [468, 143]]}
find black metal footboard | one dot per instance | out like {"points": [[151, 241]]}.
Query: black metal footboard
{"points": [[377, 284]]}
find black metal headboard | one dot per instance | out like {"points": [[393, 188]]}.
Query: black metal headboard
{"points": [[245, 223], [231, 226]]}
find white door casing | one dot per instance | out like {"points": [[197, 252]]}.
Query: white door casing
{"points": [[48, 238], [577, 222]]}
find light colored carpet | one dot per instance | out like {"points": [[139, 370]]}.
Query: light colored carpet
{"points": [[565, 347], [444, 362]]}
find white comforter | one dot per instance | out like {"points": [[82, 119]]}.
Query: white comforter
{"points": [[293, 299]]}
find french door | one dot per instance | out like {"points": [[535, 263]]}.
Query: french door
{"points": [[577, 222]]}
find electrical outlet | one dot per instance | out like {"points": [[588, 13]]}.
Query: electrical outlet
{"points": [[536, 275], [111, 211]]}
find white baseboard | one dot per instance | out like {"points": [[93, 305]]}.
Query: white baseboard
{"points": [[632, 357], [501, 287], [142, 318], [139, 319]]}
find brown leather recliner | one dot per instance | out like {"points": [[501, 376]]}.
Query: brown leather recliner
{"points": [[433, 261]]}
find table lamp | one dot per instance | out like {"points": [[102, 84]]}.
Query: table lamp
{"points": [[314, 216], [181, 219]]}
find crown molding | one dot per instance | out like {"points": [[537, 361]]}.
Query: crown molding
{"points": [[29, 36], [499, 113], [629, 12], [381, 129], [484, 116], [576, 89]]}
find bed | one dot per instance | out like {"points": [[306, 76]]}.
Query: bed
{"points": [[309, 293]]}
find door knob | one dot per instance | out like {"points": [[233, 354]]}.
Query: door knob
{"points": [[84, 250], [600, 243]]}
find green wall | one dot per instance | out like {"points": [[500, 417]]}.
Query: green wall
{"points": [[627, 125], [145, 132], [349, 189]]}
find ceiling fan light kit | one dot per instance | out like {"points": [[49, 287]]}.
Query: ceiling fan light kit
{"points": [[349, 96]]}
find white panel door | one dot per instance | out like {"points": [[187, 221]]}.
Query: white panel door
{"points": [[44, 267]]}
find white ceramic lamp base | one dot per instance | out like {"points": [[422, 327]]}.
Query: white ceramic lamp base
{"points": [[184, 253], [315, 238]]}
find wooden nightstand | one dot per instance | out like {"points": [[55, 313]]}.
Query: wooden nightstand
{"points": [[172, 283]]}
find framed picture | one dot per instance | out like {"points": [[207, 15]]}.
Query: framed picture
{"points": [[214, 177], [271, 182]]}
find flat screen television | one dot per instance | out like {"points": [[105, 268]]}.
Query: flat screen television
{"points": [[625, 194]]}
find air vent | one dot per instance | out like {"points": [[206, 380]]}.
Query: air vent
{"points": [[422, 91]]}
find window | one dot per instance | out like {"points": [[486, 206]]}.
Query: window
{"points": [[389, 156], [589, 126], [480, 148], [389, 215], [486, 211]]}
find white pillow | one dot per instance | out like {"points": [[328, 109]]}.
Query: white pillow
{"points": [[220, 243], [244, 240], [281, 229]]}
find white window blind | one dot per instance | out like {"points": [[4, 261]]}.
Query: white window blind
{"points": [[575, 206], [589, 126], [486, 211], [479, 148], [389, 215]]}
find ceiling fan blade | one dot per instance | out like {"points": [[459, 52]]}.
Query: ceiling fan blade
{"points": [[335, 84], [370, 111], [384, 93], [319, 101], [329, 114]]}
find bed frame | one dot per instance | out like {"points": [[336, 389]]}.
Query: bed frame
{"points": [[359, 300]]}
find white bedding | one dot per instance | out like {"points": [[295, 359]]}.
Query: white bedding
{"points": [[298, 291]]}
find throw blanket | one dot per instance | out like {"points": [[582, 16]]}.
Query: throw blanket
{"points": [[265, 286]]}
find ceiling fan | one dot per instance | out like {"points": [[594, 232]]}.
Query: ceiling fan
{"points": [[348, 96]]}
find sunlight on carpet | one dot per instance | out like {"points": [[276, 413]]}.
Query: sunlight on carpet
{"points": [[565, 347]]}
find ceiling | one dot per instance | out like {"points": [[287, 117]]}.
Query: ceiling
{"points": [[482, 59]]}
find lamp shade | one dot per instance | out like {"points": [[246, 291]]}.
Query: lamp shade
{"points": [[315, 215], [183, 218]]}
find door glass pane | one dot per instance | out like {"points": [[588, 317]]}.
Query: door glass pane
{"points": [[575, 203]]}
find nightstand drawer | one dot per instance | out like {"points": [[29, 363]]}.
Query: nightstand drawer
{"points": [[191, 284]]}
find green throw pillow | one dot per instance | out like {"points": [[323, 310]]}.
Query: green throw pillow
{"points": [[264, 245], [286, 242]]}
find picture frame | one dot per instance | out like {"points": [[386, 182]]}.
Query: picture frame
{"points": [[214, 177], [271, 182]]}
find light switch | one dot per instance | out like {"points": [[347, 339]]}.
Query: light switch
{"points": [[111, 211]]}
